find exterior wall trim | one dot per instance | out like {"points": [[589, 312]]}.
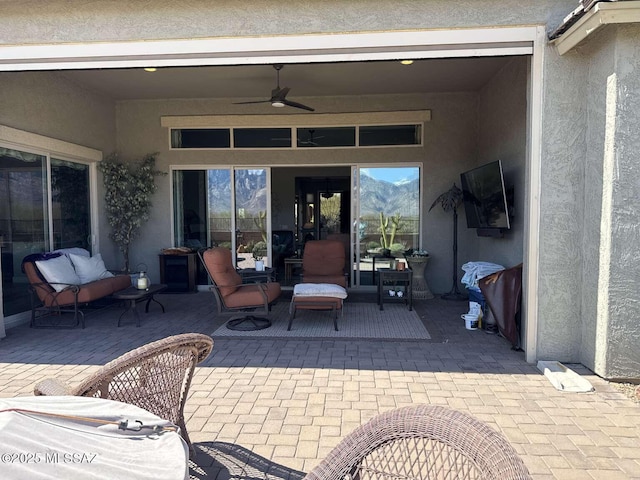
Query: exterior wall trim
{"points": [[276, 49], [532, 214], [51, 145], [310, 120]]}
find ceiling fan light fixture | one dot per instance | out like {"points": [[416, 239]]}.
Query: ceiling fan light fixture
{"points": [[277, 104]]}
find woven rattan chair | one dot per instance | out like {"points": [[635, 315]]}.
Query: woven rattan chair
{"points": [[155, 376], [422, 442]]}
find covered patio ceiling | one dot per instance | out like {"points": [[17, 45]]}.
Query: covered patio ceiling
{"points": [[305, 80]]}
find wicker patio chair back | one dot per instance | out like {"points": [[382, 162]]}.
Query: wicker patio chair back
{"points": [[422, 442], [155, 376]]}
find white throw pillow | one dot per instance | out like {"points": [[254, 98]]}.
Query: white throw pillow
{"points": [[90, 269], [59, 272], [319, 290]]}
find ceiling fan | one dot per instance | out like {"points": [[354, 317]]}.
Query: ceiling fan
{"points": [[311, 139], [279, 95]]}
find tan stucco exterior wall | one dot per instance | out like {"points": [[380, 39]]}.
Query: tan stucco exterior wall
{"points": [[48, 104], [610, 336], [73, 21]]}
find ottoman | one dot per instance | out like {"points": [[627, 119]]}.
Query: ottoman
{"points": [[317, 296]]}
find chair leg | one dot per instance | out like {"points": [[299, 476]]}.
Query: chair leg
{"points": [[248, 323], [292, 313]]}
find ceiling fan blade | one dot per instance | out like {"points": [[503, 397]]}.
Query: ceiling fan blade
{"points": [[297, 105], [255, 101], [279, 93]]}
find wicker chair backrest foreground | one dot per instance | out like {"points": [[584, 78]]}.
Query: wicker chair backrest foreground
{"points": [[155, 376], [422, 442]]}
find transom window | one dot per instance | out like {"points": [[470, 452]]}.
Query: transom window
{"points": [[356, 136]]}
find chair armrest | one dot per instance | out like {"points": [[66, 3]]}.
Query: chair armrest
{"points": [[52, 387], [240, 285]]}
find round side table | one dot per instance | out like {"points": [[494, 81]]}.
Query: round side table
{"points": [[420, 286]]}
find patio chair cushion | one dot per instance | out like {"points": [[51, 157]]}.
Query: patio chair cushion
{"points": [[324, 262], [58, 272], [319, 290], [222, 270], [250, 295]]}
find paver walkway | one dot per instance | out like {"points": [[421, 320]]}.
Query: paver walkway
{"points": [[273, 408]]}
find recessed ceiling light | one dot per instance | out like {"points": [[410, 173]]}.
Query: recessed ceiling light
{"points": [[150, 69], [406, 62]]}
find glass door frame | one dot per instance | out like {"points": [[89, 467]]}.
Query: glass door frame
{"points": [[232, 169], [356, 212]]}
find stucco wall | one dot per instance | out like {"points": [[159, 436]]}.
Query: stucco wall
{"points": [[561, 208], [73, 21], [588, 302], [502, 135], [600, 53], [621, 168], [48, 104]]}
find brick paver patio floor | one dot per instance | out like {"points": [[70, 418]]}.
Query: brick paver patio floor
{"points": [[272, 408]]}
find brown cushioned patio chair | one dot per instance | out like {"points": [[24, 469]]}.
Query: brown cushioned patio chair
{"points": [[232, 295], [155, 376], [323, 261], [422, 442]]}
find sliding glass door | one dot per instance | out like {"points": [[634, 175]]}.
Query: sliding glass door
{"points": [[386, 217], [231, 207], [224, 207], [44, 205]]}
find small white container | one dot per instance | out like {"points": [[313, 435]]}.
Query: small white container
{"points": [[470, 321]]}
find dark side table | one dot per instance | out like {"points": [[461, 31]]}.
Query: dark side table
{"points": [[132, 296], [398, 281], [251, 275]]}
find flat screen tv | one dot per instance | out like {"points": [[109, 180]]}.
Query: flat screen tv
{"points": [[484, 196]]}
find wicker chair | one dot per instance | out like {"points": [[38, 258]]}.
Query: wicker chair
{"points": [[155, 376], [422, 442]]}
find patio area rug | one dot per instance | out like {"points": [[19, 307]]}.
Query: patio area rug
{"points": [[360, 320]]}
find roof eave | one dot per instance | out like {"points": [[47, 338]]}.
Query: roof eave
{"points": [[600, 15]]}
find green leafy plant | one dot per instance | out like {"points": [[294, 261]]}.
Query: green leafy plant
{"points": [[259, 250], [128, 191]]}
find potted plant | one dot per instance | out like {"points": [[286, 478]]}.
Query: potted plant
{"points": [[258, 258], [128, 191], [417, 261]]}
